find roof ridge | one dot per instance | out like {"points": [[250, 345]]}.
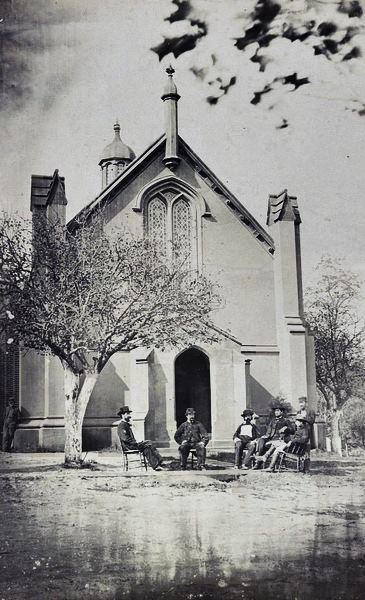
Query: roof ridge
{"points": [[244, 216]]}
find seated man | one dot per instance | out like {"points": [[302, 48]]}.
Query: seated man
{"points": [[192, 434], [244, 434], [301, 436], [127, 439], [278, 429], [310, 416]]}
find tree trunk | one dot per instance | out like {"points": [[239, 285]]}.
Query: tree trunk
{"points": [[76, 401], [336, 442]]}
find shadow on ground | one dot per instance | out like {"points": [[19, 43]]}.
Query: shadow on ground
{"points": [[197, 535]]}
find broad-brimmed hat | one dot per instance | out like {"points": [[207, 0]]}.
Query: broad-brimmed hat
{"points": [[302, 419], [247, 413], [303, 399], [190, 411], [124, 411]]}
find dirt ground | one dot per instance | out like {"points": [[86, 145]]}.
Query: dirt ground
{"points": [[103, 535]]}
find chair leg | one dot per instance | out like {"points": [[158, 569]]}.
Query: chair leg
{"points": [[280, 461], [126, 462]]}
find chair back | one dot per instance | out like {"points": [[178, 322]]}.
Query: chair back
{"points": [[297, 449], [124, 448]]}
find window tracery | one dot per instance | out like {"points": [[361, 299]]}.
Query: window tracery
{"points": [[156, 222], [171, 222], [181, 228]]}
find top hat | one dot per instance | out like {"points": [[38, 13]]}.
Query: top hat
{"points": [[123, 411], [247, 413], [190, 411]]}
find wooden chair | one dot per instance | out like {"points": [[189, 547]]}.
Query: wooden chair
{"points": [[133, 456], [295, 453]]}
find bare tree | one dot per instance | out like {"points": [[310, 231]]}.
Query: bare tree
{"points": [[87, 295], [339, 339]]}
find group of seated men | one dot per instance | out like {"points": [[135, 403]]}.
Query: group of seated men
{"points": [[280, 434]]}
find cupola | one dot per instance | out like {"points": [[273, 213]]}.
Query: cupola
{"points": [[115, 158]]}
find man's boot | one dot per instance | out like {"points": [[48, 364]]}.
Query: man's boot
{"points": [[259, 463], [271, 467]]}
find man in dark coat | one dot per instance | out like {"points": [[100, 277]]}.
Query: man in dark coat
{"points": [[300, 436], [129, 442], [278, 430], [310, 417], [243, 436], [10, 423], [192, 434]]}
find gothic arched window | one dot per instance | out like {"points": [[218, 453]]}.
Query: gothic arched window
{"points": [[170, 220], [156, 222]]}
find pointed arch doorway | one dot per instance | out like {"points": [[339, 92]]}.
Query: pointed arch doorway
{"points": [[192, 386]]}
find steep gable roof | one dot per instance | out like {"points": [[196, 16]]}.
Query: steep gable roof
{"points": [[234, 205], [46, 190], [230, 200]]}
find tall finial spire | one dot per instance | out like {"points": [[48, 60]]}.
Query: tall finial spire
{"points": [[171, 98]]}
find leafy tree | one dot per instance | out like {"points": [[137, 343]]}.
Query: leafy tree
{"points": [[266, 32], [353, 422], [339, 339], [87, 295]]}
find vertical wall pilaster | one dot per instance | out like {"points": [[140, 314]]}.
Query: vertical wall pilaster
{"points": [[248, 403], [284, 221], [139, 393]]}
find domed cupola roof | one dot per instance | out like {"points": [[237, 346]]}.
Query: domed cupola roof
{"points": [[117, 149]]}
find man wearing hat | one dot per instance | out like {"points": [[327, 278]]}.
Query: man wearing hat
{"points": [[243, 436], [301, 437], [127, 438], [192, 434], [310, 416]]}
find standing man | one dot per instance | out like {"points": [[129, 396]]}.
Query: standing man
{"points": [[128, 440], [243, 436], [192, 434], [10, 422]]}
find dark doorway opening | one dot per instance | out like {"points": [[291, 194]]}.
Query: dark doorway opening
{"points": [[192, 386]]}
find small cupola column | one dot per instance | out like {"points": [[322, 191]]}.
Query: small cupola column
{"points": [[171, 98], [115, 158]]}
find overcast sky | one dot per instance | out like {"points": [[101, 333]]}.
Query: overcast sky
{"points": [[73, 66]]}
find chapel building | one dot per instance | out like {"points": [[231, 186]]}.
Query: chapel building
{"points": [[265, 346]]}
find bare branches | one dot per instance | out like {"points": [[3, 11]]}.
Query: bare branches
{"points": [[339, 332], [84, 295]]}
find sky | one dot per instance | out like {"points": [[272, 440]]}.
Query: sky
{"points": [[71, 67]]}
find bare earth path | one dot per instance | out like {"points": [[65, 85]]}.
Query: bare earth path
{"points": [[101, 535]]}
